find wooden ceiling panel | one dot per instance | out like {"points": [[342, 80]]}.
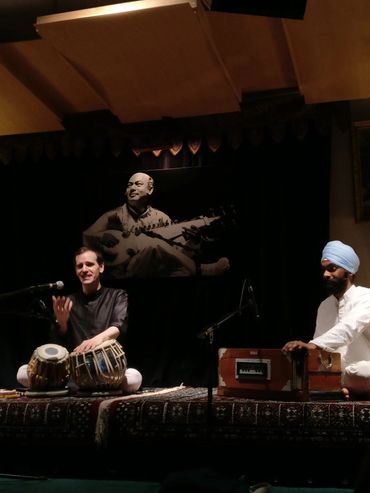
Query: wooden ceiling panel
{"points": [[146, 64], [255, 51], [50, 77], [148, 59], [330, 50], [21, 111]]}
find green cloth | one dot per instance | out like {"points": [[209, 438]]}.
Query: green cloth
{"points": [[282, 489], [51, 485], [9, 485]]}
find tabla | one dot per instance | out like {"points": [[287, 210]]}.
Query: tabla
{"points": [[48, 368], [100, 370]]}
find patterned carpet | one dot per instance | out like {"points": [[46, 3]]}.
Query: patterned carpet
{"points": [[186, 414], [179, 412], [256, 436]]}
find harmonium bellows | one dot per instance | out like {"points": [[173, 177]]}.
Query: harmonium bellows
{"points": [[271, 374]]}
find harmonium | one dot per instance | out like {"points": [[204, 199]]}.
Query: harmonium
{"points": [[271, 374]]}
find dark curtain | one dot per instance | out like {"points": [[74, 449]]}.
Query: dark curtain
{"points": [[280, 194]]}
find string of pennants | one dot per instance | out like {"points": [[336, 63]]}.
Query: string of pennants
{"points": [[194, 145], [19, 149]]}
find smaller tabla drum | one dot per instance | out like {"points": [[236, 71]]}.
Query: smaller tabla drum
{"points": [[100, 370], [48, 368]]}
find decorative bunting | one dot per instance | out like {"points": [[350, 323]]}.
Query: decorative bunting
{"points": [[79, 146], [50, 151], [194, 145], [235, 139], [176, 148], [116, 146], [66, 145], [36, 150], [214, 142], [20, 152], [255, 136], [5, 155], [278, 132], [300, 129]]}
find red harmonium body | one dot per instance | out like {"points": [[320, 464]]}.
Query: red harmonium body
{"points": [[272, 374]]}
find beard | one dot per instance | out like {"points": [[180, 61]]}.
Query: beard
{"points": [[335, 286]]}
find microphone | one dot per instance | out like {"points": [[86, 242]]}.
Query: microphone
{"points": [[39, 288], [46, 287]]}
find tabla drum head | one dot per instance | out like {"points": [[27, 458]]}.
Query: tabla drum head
{"points": [[51, 352], [48, 369]]}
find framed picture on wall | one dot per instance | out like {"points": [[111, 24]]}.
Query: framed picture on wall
{"points": [[361, 169]]}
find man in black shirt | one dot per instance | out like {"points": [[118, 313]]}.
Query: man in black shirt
{"points": [[96, 314], [93, 315]]}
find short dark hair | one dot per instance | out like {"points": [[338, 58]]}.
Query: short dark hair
{"points": [[83, 249]]}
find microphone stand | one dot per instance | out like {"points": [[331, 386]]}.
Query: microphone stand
{"points": [[40, 311], [19, 292], [45, 313], [208, 333]]}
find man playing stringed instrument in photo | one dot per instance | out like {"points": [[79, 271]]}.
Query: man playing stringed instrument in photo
{"points": [[138, 240]]}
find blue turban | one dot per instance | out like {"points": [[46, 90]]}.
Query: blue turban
{"points": [[341, 255]]}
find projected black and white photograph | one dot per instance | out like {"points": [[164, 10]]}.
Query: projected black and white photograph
{"points": [[191, 235]]}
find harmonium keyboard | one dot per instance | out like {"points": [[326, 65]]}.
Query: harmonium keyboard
{"points": [[271, 374]]}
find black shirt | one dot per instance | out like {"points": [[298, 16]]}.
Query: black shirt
{"points": [[92, 314]]}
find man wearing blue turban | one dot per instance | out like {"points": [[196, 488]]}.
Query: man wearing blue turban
{"points": [[343, 319]]}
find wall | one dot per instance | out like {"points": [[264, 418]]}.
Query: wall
{"points": [[343, 224]]}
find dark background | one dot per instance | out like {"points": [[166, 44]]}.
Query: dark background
{"points": [[280, 194]]}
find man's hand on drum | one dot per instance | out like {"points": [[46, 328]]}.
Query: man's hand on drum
{"points": [[62, 306], [89, 344], [297, 345]]}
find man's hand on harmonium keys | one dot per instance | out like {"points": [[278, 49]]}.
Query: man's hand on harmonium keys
{"points": [[297, 346]]}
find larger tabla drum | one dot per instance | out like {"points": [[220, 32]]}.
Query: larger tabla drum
{"points": [[100, 370]]}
